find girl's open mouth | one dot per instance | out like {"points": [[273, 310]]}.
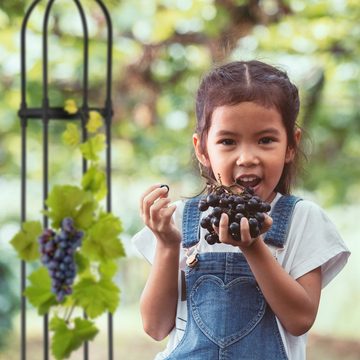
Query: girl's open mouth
{"points": [[248, 181]]}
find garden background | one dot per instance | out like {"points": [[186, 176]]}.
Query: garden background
{"points": [[161, 49]]}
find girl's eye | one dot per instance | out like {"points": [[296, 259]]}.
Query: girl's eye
{"points": [[227, 142], [266, 140]]}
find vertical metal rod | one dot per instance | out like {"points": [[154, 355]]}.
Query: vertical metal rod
{"points": [[108, 116], [108, 101], [23, 219], [45, 104], [108, 203], [45, 219], [23, 172], [85, 103], [84, 112], [84, 169]]}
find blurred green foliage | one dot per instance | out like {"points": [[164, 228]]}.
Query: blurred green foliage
{"points": [[162, 48], [8, 298]]}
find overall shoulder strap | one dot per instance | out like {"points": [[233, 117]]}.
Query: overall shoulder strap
{"points": [[190, 222], [281, 215]]}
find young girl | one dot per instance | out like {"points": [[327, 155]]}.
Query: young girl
{"points": [[251, 299]]}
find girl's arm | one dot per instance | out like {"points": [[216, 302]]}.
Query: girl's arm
{"points": [[294, 302], [159, 298]]}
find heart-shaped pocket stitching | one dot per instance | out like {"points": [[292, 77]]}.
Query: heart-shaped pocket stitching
{"points": [[226, 312]]}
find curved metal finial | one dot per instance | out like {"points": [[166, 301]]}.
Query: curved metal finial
{"points": [[109, 52]]}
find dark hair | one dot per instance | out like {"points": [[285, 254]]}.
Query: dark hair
{"points": [[253, 81]]}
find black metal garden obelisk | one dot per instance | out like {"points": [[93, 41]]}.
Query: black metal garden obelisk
{"points": [[44, 113]]}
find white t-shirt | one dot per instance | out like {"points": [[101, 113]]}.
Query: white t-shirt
{"points": [[312, 241]]}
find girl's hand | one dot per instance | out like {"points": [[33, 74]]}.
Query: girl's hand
{"points": [[246, 239], [156, 212]]}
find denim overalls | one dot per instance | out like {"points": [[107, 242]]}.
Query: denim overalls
{"points": [[228, 317]]}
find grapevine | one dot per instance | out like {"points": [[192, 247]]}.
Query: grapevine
{"points": [[78, 251]]}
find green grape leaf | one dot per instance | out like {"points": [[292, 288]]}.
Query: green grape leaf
{"points": [[71, 136], [95, 122], [70, 106], [69, 337], [108, 269], [68, 200], [101, 241], [39, 291], [82, 263], [96, 297], [84, 216], [91, 148], [25, 241], [94, 180]]}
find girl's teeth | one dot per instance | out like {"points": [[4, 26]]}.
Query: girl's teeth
{"points": [[248, 179]]}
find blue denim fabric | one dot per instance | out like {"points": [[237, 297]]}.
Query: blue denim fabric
{"points": [[281, 215], [228, 317]]}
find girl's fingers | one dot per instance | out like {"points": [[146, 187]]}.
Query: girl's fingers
{"points": [[157, 208], [169, 211], [246, 239], [245, 232], [154, 193], [144, 195], [222, 230], [161, 212], [267, 223]]}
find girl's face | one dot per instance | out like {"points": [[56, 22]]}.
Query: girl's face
{"points": [[246, 143]]}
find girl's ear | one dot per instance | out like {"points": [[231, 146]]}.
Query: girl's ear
{"points": [[290, 152], [203, 159]]}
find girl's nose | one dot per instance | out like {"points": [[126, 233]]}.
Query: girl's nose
{"points": [[247, 157]]}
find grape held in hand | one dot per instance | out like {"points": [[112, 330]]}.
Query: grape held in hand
{"points": [[222, 199]]}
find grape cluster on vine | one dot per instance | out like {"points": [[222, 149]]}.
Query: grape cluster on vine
{"points": [[57, 254], [222, 199]]}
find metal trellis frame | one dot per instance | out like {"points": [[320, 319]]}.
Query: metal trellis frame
{"points": [[46, 113]]}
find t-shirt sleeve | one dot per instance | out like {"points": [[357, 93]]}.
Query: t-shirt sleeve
{"points": [[314, 241], [145, 242]]}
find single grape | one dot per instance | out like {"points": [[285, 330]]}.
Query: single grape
{"points": [[212, 200], [215, 221], [212, 238], [260, 217], [240, 208], [238, 216], [203, 205], [234, 228], [253, 222], [67, 224], [164, 185]]}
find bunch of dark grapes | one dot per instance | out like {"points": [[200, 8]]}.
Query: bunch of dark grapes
{"points": [[57, 254], [222, 200]]}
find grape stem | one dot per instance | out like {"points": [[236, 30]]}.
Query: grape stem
{"points": [[68, 316], [214, 185]]}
